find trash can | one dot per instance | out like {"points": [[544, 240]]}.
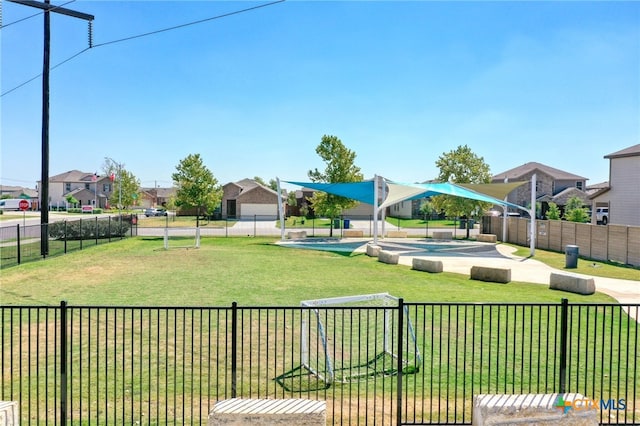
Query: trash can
{"points": [[571, 256], [463, 224], [346, 223], [336, 223]]}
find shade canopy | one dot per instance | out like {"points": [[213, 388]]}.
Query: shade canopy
{"points": [[397, 191]]}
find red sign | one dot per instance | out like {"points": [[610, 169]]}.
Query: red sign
{"points": [[23, 205]]}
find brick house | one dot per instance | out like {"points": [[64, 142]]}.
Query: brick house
{"points": [[622, 194], [552, 185], [247, 199]]}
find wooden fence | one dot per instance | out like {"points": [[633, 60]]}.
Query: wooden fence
{"points": [[617, 243]]}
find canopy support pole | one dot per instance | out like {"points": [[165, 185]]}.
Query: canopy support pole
{"points": [[280, 209], [532, 215], [375, 209]]}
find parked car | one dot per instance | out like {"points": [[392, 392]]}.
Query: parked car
{"points": [[602, 215], [155, 212]]}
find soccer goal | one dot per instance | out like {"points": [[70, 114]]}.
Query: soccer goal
{"points": [[181, 238], [352, 338]]}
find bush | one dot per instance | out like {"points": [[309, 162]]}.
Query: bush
{"points": [[88, 229], [74, 210]]}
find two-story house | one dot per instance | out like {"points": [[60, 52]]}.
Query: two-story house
{"points": [[622, 195], [552, 185], [88, 188]]}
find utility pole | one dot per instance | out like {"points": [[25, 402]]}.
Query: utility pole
{"points": [[44, 184]]}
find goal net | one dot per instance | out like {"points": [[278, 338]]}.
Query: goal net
{"points": [[181, 238], [353, 338]]}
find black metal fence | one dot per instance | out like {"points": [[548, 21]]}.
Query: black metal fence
{"points": [[169, 365], [19, 244]]}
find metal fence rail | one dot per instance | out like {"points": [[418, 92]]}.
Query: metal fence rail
{"points": [[169, 365], [19, 244]]}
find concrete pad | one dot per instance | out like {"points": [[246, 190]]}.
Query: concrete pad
{"points": [[534, 409], [9, 415], [427, 265], [290, 412], [490, 274], [388, 257], [373, 250], [572, 283]]}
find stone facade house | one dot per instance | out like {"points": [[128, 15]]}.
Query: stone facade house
{"points": [[247, 199], [552, 185], [622, 195]]}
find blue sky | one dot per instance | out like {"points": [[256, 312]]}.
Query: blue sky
{"points": [[400, 83]]}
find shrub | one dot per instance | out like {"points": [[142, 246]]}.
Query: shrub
{"points": [[88, 229]]}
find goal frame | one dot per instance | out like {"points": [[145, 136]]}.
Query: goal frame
{"points": [[317, 335]]}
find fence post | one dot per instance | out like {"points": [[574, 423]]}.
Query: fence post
{"points": [[66, 237], [81, 235], [399, 350], [255, 224], [564, 311], [234, 344], [18, 240], [109, 228], [63, 363], [96, 230]]}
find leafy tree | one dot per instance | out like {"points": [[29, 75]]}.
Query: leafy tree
{"points": [[554, 211], [73, 201], [291, 199], [260, 181], [126, 187], [273, 184], [427, 208], [196, 186], [575, 212], [340, 167], [461, 166]]}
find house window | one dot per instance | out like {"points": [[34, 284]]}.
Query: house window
{"points": [[67, 187], [106, 187], [86, 186], [579, 185]]}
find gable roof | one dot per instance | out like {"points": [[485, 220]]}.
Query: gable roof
{"points": [[528, 168], [632, 151], [72, 176]]}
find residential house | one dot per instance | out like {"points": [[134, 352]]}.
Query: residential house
{"points": [[247, 199], [622, 195], [156, 197], [552, 185], [88, 188], [20, 192]]}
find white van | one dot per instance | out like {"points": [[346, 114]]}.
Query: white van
{"points": [[11, 204]]}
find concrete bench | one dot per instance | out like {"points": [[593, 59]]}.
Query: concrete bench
{"points": [[572, 283], [396, 234], [388, 257], [494, 275], [296, 235], [9, 413], [427, 265], [442, 235], [534, 409], [290, 412], [487, 238], [373, 250], [353, 233]]}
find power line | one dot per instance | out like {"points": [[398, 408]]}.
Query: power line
{"points": [[225, 15], [35, 14]]}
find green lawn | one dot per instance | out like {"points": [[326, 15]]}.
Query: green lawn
{"points": [[251, 271], [463, 347]]}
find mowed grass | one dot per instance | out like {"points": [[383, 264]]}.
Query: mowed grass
{"points": [[250, 271]]}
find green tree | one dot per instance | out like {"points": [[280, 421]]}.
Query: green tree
{"points": [[427, 208], [340, 168], [273, 184], [73, 201], [196, 186], [554, 211], [260, 181], [461, 166], [126, 187], [575, 212]]}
